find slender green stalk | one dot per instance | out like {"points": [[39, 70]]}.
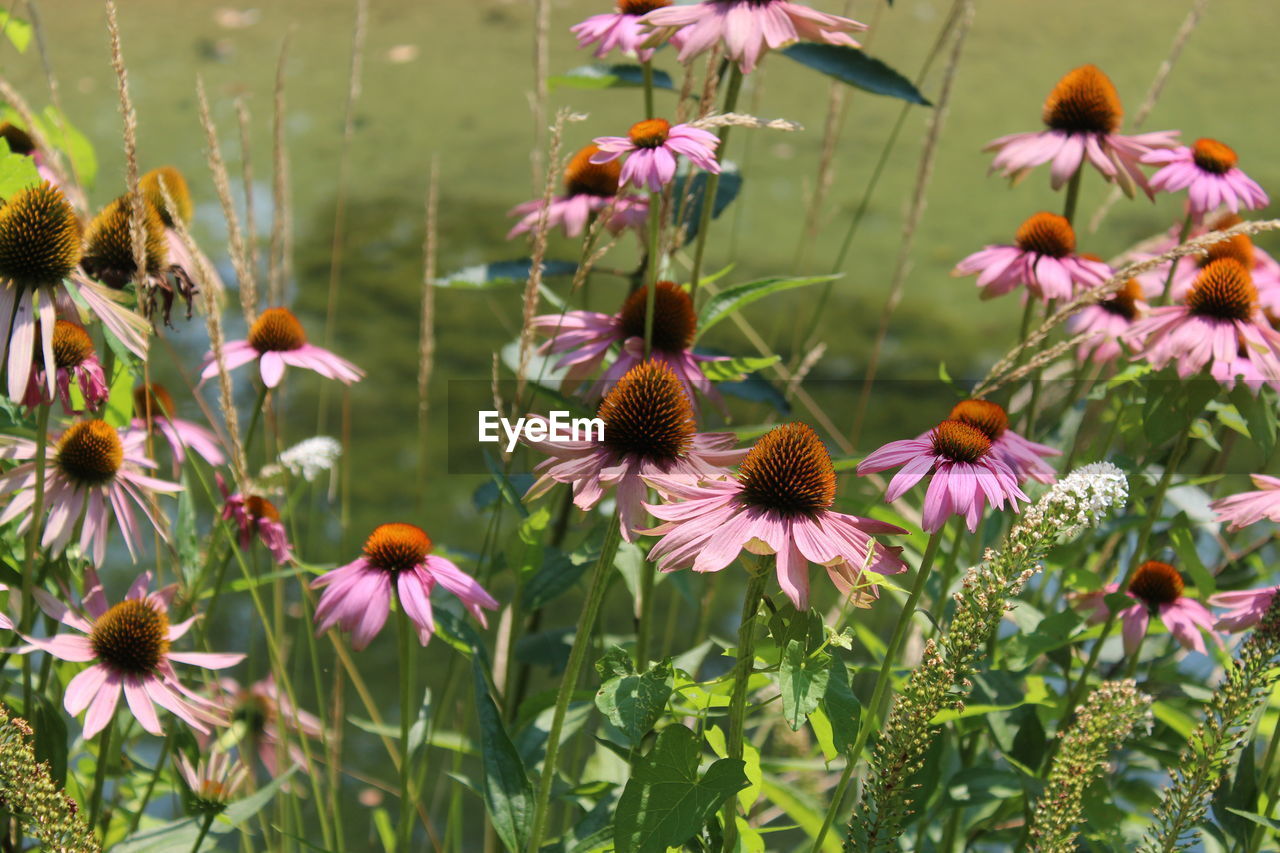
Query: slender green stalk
{"points": [[1162, 298], [713, 181], [161, 760], [255, 418], [33, 546], [100, 773], [644, 624], [651, 271], [573, 670], [647, 68], [204, 831], [879, 693], [1073, 197], [404, 835], [741, 679]]}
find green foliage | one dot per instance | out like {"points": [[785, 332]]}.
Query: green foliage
{"points": [[508, 793], [632, 701], [736, 297], [608, 77], [850, 65]]}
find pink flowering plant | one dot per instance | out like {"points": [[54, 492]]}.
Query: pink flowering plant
{"points": [[705, 511]]}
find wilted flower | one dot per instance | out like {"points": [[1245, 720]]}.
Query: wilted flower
{"points": [[255, 514], [74, 358], [651, 147]]}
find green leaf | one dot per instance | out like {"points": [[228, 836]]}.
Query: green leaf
{"points": [[119, 409], [558, 574], [508, 794], [802, 679], [1260, 820], [666, 802], [1053, 632], [852, 66], [728, 187], [17, 172], [1259, 413], [16, 30], [842, 708], [739, 296], [802, 810], [608, 77], [634, 702], [1183, 541], [734, 369], [982, 784], [502, 274]]}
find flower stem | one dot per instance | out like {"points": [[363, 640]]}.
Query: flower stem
{"points": [[644, 624], [742, 670], [405, 632], [651, 272], [1073, 197], [100, 773], [713, 182], [1163, 297], [647, 68], [204, 830], [255, 418], [871, 711], [33, 546], [573, 669]]}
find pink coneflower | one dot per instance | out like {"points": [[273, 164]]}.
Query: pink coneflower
{"points": [[587, 337], [1261, 266], [589, 188], [357, 596], [1156, 588], [1251, 507], [267, 716], [1023, 456], [1245, 608], [1109, 320], [967, 473], [1219, 321], [621, 29], [652, 146], [1207, 170], [255, 514], [212, 782], [40, 279], [182, 262], [1042, 258], [649, 431], [780, 503], [1082, 115], [74, 359], [91, 469], [277, 339], [128, 645], [749, 28], [156, 407]]}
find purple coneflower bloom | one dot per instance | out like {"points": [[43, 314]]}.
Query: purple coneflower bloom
{"points": [[1042, 258], [157, 408], [621, 29], [357, 596], [587, 337], [91, 469], [255, 514], [1082, 115], [780, 503], [1023, 456], [1108, 320], [967, 473], [649, 431], [652, 146], [268, 717], [1247, 508], [129, 647], [1207, 170], [40, 279], [277, 339], [213, 781], [1261, 266], [74, 359], [182, 262], [1245, 608], [1156, 588], [590, 188], [749, 28], [1219, 321]]}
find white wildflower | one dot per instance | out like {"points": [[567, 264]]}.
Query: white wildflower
{"points": [[312, 457]]}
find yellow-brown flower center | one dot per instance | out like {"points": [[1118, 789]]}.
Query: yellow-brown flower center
{"points": [[1125, 301], [582, 177], [176, 185], [984, 415], [153, 401], [649, 133], [1213, 156], [90, 453], [72, 345], [960, 442], [109, 246], [1046, 234], [640, 7], [648, 414], [132, 637], [1083, 101], [259, 508], [1156, 583], [39, 237], [674, 321], [1238, 248], [20, 142], [788, 471], [277, 330], [254, 711], [397, 546], [1223, 291]]}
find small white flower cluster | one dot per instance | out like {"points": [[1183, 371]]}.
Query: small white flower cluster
{"points": [[310, 458], [1079, 500]]}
